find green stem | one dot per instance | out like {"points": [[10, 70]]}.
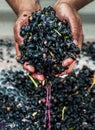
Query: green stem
{"points": [[63, 112], [34, 82], [57, 32]]}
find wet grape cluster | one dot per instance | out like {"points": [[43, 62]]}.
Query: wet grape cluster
{"points": [[47, 42], [22, 105]]}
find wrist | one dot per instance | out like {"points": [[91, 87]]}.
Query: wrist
{"points": [[68, 2], [76, 4], [28, 8], [20, 6]]}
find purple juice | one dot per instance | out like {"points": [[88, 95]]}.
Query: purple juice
{"points": [[47, 112]]}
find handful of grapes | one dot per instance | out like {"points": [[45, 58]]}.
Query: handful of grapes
{"points": [[47, 42]]}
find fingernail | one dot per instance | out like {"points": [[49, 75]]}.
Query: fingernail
{"points": [[30, 68], [65, 63]]}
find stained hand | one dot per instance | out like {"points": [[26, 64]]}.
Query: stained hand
{"points": [[66, 11], [23, 20]]}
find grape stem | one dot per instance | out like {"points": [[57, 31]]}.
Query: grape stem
{"points": [[93, 83], [63, 112], [34, 82]]}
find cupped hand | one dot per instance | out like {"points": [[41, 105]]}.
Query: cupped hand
{"points": [[67, 11], [23, 20]]}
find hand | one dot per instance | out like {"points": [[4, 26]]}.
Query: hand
{"points": [[66, 11], [23, 20]]}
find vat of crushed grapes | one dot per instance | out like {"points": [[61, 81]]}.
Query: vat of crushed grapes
{"points": [[22, 105]]}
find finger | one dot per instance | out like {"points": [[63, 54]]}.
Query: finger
{"points": [[28, 67], [67, 62], [71, 67], [69, 70], [38, 76], [17, 36], [81, 37], [17, 49], [17, 29], [74, 26]]}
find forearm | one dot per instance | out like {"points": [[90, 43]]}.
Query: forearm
{"points": [[77, 4], [20, 6]]}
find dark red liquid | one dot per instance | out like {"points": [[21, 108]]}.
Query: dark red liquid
{"points": [[47, 112]]}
